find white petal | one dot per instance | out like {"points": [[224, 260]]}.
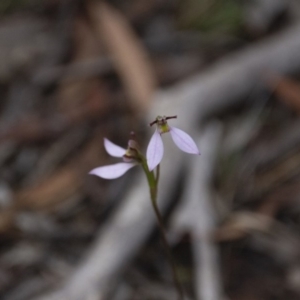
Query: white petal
{"points": [[183, 141], [112, 171], [113, 149], [155, 150]]}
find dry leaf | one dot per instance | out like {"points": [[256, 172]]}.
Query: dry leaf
{"points": [[128, 54], [241, 224], [65, 182], [62, 185], [287, 90], [72, 94], [33, 128], [6, 219], [281, 198], [57, 188]]}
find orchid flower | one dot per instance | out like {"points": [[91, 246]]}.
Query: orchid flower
{"points": [[181, 139], [130, 159]]}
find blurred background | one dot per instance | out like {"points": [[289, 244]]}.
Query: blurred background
{"points": [[75, 71]]}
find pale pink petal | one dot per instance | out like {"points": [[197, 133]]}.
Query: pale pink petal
{"points": [[113, 149], [112, 171], [155, 150], [183, 141]]}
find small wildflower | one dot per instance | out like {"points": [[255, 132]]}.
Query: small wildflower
{"points": [[130, 159], [181, 139]]}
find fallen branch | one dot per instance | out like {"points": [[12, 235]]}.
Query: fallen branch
{"points": [[232, 79], [196, 215], [225, 84]]}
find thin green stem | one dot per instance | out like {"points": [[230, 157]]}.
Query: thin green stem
{"points": [[157, 175], [153, 184], [168, 251]]}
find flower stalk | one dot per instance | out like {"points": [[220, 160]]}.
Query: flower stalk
{"points": [[153, 187]]}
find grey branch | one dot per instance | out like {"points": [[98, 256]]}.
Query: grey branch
{"points": [[228, 82]]}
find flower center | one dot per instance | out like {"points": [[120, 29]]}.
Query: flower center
{"points": [[162, 124], [132, 153]]}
